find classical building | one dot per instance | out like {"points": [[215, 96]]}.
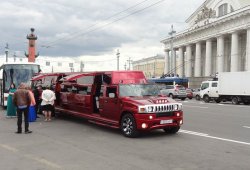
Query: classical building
{"points": [[152, 66], [217, 40]]}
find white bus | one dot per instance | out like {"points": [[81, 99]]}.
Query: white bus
{"points": [[15, 73]]}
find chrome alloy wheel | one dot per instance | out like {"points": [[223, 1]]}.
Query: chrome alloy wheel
{"points": [[127, 126]]}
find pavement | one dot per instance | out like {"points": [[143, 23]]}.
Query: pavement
{"points": [[214, 136]]}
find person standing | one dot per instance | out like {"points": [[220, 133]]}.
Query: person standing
{"points": [[48, 97], [11, 108], [37, 94], [32, 110], [21, 100]]}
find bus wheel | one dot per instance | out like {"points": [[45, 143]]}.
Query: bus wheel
{"points": [[128, 126], [172, 130]]}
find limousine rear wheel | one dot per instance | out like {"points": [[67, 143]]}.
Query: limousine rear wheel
{"points": [[128, 126]]}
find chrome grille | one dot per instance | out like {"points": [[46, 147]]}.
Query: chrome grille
{"points": [[164, 108]]}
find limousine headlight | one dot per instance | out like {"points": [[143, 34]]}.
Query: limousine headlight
{"points": [[142, 109]]}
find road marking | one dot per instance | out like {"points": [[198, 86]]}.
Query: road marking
{"points": [[41, 160], [213, 137], [9, 148], [248, 127]]}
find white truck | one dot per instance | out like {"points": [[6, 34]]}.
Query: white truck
{"points": [[230, 86]]}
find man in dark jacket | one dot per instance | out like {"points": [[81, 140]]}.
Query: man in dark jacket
{"points": [[21, 100]]}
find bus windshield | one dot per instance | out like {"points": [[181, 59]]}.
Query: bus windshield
{"points": [[18, 73], [138, 90]]}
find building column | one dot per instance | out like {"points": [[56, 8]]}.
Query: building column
{"points": [[220, 54], [208, 61], [197, 64], [248, 50], [235, 52], [166, 66], [181, 62], [189, 61], [174, 62]]}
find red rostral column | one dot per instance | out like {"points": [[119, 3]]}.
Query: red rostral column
{"points": [[32, 46]]}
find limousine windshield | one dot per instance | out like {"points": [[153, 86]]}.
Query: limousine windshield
{"points": [[138, 90]]}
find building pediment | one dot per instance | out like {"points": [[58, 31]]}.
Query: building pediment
{"points": [[212, 10]]}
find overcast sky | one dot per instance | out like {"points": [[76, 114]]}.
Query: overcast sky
{"points": [[86, 29]]}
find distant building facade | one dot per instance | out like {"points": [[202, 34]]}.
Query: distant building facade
{"points": [[52, 64], [152, 66], [217, 40]]}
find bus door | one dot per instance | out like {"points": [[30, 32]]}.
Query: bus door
{"points": [[109, 103]]}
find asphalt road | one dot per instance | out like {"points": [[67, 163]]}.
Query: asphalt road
{"points": [[214, 136]]}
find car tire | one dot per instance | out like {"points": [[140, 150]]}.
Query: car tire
{"points": [[171, 96], [206, 99], [183, 98], [197, 97], [235, 100], [172, 130], [190, 98], [217, 100], [128, 126]]}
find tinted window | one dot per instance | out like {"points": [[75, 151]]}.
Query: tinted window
{"points": [[214, 84], [169, 87], [180, 87], [86, 80], [204, 86]]}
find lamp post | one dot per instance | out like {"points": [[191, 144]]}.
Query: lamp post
{"points": [[118, 56], [7, 51], [171, 33]]}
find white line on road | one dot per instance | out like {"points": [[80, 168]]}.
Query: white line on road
{"points": [[212, 137], [41, 160], [248, 127]]}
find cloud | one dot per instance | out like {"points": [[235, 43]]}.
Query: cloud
{"points": [[79, 28]]}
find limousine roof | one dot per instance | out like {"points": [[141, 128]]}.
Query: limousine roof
{"points": [[117, 77]]}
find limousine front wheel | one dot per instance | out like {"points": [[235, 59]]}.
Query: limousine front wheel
{"points": [[128, 126]]}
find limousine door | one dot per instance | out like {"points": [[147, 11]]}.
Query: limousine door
{"points": [[109, 104]]}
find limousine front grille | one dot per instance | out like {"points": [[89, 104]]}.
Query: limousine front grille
{"points": [[159, 108]]}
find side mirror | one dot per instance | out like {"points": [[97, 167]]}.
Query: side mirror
{"points": [[111, 95]]}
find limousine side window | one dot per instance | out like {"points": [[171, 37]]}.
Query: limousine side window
{"points": [[83, 90], [67, 88], [111, 92]]}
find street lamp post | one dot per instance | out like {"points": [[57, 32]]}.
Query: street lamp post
{"points": [[7, 51], [172, 48], [118, 56]]}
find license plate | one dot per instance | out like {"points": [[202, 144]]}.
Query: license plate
{"points": [[166, 121]]}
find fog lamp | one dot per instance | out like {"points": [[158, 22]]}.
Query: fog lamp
{"points": [[150, 117], [144, 125], [181, 122]]}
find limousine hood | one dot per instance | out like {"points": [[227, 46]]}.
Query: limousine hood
{"points": [[148, 100]]}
